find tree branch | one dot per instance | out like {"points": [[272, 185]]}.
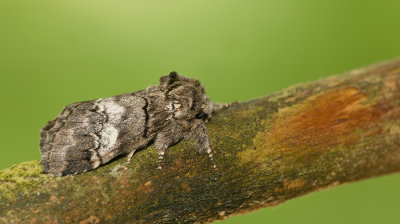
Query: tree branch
{"points": [[311, 136]]}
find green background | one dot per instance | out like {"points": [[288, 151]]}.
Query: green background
{"points": [[53, 53]]}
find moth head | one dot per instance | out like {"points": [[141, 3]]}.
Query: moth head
{"points": [[206, 109], [186, 97]]}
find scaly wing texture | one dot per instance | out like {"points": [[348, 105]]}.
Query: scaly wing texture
{"points": [[88, 134]]}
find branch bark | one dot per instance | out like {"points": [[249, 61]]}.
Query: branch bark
{"points": [[311, 136]]}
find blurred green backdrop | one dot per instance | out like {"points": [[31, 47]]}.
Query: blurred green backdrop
{"points": [[53, 53]]}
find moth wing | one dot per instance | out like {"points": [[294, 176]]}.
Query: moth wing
{"points": [[131, 127], [88, 134]]}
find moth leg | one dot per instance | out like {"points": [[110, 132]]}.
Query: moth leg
{"points": [[161, 153], [210, 155], [202, 142], [164, 140], [129, 159]]}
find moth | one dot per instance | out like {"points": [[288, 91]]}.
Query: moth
{"points": [[89, 134]]}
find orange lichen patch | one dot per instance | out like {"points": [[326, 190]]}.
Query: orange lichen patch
{"points": [[327, 120], [338, 117], [290, 185]]}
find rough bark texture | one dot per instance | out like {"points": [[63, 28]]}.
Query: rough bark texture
{"points": [[307, 137]]}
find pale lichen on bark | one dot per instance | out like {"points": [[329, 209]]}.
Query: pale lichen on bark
{"points": [[307, 137]]}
